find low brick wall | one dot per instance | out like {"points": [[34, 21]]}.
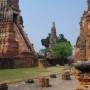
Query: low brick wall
{"points": [[25, 62], [20, 62]]}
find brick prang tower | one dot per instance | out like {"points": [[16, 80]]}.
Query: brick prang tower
{"points": [[53, 36], [83, 42], [16, 50]]}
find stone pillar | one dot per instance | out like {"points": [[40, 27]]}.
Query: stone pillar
{"points": [[44, 82]]}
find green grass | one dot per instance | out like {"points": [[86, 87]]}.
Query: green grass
{"points": [[13, 74]]}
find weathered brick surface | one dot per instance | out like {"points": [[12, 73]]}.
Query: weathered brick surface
{"points": [[16, 50], [83, 44]]}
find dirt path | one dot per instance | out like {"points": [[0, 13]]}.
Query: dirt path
{"points": [[57, 84]]}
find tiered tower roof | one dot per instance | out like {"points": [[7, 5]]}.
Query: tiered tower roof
{"points": [[53, 36]]}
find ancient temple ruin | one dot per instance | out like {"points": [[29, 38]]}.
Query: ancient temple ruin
{"points": [[53, 36], [83, 41], [16, 50]]}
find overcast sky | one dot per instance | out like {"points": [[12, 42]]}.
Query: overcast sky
{"points": [[38, 16]]}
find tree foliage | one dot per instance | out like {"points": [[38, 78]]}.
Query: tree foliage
{"points": [[61, 38], [62, 50], [45, 42]]}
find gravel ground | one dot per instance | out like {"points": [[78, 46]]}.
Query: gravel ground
{"points": [[56, 84]]}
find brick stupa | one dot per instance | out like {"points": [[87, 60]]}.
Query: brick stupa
{"points": [[53, 35], [83, 41], [16, 50], [82, 54]]}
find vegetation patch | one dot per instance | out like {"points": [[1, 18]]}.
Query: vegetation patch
{"points": [[15, 74]]}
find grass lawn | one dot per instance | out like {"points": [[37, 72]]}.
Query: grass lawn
{"points": [[15, 74]]}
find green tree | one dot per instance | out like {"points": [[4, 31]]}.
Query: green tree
{"points": [[61, 38], [62, 51], [43, 52], [45, 42]]}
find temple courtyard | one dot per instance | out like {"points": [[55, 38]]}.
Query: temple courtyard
{"points": [[16, 78], [56, 84]]}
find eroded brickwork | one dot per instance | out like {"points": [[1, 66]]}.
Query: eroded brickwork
{"points": [[16, 50], [83, 43], [53, 36]]}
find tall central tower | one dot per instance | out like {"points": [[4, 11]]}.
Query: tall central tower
{"points": [[16, 50]]}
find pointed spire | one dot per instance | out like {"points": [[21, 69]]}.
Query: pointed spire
{"points": [[53, 35], [53, 26]]}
